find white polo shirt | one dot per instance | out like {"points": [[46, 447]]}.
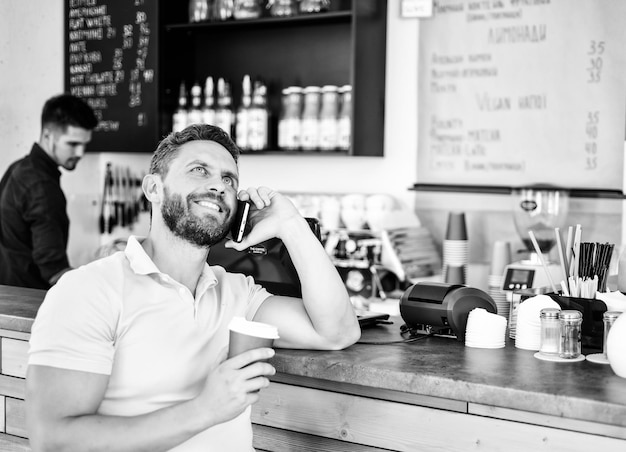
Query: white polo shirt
{"points": [[121, 317]]}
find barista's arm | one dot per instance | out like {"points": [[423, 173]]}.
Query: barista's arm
{"points": [[53, 280], [324, 318], [45, 212]]}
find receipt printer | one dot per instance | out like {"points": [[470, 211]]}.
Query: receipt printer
{"points": [[442, 308]]}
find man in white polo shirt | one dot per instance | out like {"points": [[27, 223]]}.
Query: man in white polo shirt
{"points": [[128, 353]]}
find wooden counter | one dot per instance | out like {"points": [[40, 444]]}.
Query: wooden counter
{"points": [[433, 394]]}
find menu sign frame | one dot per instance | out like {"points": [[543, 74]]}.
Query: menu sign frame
{"points": [[111, 58], [522, 92]]}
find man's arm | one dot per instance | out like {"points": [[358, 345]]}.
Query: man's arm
{"points": [[47, 217], [61, 408], [53, 280], [324, 318]]}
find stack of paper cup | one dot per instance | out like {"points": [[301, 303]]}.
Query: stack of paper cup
{"points": [[455, 250], [501, 257], [484, 329], [528, 335]]}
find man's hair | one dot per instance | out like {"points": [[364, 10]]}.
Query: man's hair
{"points": [[66, 110], [169, 147]]}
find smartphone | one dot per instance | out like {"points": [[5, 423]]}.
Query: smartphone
{"points": [[238, 227]]}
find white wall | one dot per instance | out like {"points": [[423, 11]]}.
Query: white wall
{"points": [[31, 70]]}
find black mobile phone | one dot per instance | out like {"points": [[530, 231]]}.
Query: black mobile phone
{"points": [[238, 226]]}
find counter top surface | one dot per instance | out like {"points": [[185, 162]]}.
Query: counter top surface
{"points": [[18, 307], [432, 366], [443, 367]]}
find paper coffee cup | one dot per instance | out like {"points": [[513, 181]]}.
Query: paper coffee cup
{"points": [[247, 335], [456, 229]]}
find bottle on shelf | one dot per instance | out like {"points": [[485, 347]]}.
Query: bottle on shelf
{"points": [[258, 118], [224, 116], [194, 116], [198, 10], [290, 122], [247, 9], [179, 119], [242, 121], [310, 119], [208, 109], [222, 10], [314, 6], [329, 113], [283, 8], [344, 126]]}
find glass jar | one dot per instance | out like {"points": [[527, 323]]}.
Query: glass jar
{"points": [[198, 10], [290, 122], [571, 322], [329, 113], [247, 9], [344, 123], [314, 6], [550, 331], [283, 8], [310, 119], [222, 10], [608, 318]]}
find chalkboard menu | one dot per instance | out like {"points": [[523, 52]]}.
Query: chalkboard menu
{"points": [[110, 61], [521, 92]]}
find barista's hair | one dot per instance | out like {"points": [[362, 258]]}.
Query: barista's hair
{"points": [[66, 110], [169, 147]]}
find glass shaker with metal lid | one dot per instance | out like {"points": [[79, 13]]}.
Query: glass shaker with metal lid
{"points": [[550, 331], [608, 318], [571, 322]]}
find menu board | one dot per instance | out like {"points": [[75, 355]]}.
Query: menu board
{"points": [[521, 92], [110, 62]]}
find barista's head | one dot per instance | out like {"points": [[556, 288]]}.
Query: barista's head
{"points": [[170, 145], [66, 125]]}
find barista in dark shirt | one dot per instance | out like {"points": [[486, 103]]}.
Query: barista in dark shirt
{"points": [[33, 219]]}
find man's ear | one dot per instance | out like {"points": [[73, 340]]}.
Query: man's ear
{"points": [[152, 187]]}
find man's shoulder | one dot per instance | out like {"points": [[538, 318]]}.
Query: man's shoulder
{"points": [[104, 273], [28, 174], [223, 275]]}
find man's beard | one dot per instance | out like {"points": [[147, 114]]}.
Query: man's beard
{"points": [[69, 163], [200, 231]]}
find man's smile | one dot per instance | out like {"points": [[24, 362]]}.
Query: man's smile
{"points": [[209, 205]]}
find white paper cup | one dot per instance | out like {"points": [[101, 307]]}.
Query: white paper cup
{"points": [[247, 335]]}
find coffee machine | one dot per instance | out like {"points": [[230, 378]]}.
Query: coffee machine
{"points": [[539, 209]]}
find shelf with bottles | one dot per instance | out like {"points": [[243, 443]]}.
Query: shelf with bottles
{"points": [[312, 119], [300, 20], [345, 46], [263, 13]]}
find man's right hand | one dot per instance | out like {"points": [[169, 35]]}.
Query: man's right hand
{"points": [[234, 385]]}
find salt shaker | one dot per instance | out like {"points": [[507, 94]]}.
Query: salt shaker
{"points": [[608, 318], [571, 322], [550, 331]]}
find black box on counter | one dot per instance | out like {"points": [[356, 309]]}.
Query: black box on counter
{"points": [[593, 310]]}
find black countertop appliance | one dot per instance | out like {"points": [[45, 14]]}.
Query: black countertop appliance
{"points": [[438, 308]]}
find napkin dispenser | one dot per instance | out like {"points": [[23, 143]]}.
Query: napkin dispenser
{"points": [[438, 308]]}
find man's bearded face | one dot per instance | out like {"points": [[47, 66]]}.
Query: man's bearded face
{"points": [[202, 231]]}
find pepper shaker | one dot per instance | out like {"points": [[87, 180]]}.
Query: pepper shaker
{"points": [[571, 322]]}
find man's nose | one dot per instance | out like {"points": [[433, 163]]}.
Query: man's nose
{"points": [[216, 184], [79, 151]]}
